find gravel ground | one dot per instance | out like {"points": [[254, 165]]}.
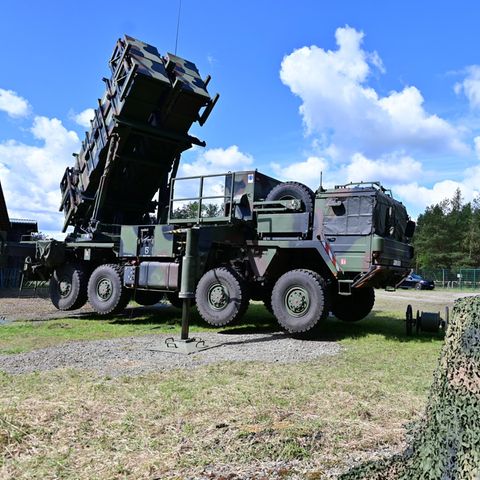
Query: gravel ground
{"points": [[139, 355]]}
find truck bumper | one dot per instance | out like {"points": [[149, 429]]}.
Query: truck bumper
{"points": [[379, 276]]}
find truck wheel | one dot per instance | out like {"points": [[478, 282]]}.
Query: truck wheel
{"points": [[293, 190], [354, 307], [221, 296], [106, 292], [299, 300], [68, 286], [146, 298]]}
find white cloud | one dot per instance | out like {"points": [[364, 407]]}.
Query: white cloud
{"points": [[393, 168], [470, 86], [83, 118], [210, 162], [217, 160], [307, 172], [211, 60], [420, 197], [31, 174], [337, 101], [476, 142], [13, 104]]}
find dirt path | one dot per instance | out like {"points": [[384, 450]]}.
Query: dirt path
{"points": [[423, 300], [13, 308]]}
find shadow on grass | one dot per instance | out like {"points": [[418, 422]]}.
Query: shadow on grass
{"points": [[334, 330], [259, 320], [376, 323], [256, 320]]}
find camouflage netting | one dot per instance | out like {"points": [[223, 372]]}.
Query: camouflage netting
{"points": [[445, 444]]}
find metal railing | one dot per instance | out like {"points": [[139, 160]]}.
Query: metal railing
{"points": [[202, 208]]}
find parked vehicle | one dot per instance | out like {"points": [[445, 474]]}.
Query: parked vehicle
{"points": [[416, 281], [219, 240]]}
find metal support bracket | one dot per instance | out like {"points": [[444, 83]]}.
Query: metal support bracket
{"points": [[184, 347]]}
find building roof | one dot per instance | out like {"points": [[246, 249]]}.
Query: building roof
{"points": [[22, 221], [4, 220]]}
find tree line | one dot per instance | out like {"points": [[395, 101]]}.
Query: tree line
{"points": [[448, 234]]}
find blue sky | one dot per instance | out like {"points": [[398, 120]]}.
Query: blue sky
{"points": [[361, 90]]}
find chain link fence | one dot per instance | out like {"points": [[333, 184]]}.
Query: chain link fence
{"points": [[462, 278]]}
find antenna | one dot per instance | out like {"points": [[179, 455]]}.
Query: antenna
{"points": [[321, 182], [178, 24]]}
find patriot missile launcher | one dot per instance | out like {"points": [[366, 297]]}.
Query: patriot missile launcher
{"points": [[138, 132], [139, 231]]}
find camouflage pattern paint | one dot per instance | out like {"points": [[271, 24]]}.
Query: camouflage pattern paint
{"points": [[158, 275], [146, 241], [353, 234], [149, 105], [445, 443]]}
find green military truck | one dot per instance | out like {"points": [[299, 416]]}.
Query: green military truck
{"points": [[139, 232]]}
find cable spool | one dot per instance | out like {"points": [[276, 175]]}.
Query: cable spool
{"points": [[430, 322]]}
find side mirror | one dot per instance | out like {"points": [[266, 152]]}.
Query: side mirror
{"points": [[410, 229]]}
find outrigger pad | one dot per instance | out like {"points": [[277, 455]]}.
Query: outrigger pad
{"points": [[184, 347]]}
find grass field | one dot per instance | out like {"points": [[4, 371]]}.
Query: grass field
{"points": [[323, 414]]}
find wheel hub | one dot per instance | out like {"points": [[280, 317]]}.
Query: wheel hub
{"points": [[104, 289], [65, 287], [297, 301], [217, 297]]}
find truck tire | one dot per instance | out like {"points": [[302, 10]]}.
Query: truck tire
{"points": [[106, 293], [146, 298], [221, 296], [293, 190], [354, 307], [68, 286], [300, 300]]}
